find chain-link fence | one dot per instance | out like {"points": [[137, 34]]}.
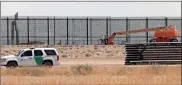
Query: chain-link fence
{"points": [[81, 31]]}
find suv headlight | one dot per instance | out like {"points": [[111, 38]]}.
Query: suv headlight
{"points": [[3, 60]]}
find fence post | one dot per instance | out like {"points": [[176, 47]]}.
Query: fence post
{"points": [[129, 36], [110, 25], [91, 31], [67, 30], [28, 30], [87, 30], [166, 21], [181, 28], [54, 30], [48, 30], [7, 31], [126, 29], [107, 28], [147, 28]]}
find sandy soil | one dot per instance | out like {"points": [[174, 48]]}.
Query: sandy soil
{"points": [[89, 61], [74, 55], [73, 51], [106, 68], [163, 75], [94, 80], [92, 61]]}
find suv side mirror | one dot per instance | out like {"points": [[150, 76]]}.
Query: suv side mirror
{"points": [[22, 54]]}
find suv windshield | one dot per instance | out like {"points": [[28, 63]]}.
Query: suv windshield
{"points": [[19, 52]]}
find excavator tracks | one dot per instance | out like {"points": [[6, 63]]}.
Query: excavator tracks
{"points": [[153, 53]]}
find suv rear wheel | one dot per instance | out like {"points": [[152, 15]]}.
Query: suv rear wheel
{"points": [[12, 65], [47, 64]]}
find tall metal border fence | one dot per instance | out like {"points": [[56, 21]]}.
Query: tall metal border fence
{"points": [[81, 31]]}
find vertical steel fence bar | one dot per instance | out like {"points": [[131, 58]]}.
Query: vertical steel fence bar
{"points": [[166, 21], [147, 28], [54, 30], [129, 35], [181, 27], [107, 28], [7, 31], [91, 31], [67, 31], [87, 30], [126, 29], [48, 30], [110, 25], [28, 36]]}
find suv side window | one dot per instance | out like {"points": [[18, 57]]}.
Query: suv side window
{"points": [[38, 53], [27, 53], [50, 52]]}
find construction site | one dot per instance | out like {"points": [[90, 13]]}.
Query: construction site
{"points": [[142, 41], [117, 48]]}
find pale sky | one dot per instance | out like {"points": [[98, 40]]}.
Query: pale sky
{"points": [[113, 9]]}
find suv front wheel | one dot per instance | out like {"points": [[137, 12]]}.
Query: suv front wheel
{"points": [[11, 65]]}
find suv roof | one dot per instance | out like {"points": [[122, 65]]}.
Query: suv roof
{"points": [[40, 49]]}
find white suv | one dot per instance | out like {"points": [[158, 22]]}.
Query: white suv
{"points": [[32, 57]]}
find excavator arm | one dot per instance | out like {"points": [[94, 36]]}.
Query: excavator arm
{"points": [[110, 39], [146, 30]]}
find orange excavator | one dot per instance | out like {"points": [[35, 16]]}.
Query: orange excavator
{"points": [[161, 34]]}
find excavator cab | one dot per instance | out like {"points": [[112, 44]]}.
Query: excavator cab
{"points": [[103, 39], [107, 41]]}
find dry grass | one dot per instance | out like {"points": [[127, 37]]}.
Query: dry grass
{"points": [[94, 75]]}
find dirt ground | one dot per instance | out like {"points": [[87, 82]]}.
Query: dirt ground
{"points": [[74, 55], [105, 66], [73, 51], [64, 62], [86, 74], [92, 61]]}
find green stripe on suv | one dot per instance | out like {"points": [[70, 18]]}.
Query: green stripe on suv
{"points": [[38, 60]]}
